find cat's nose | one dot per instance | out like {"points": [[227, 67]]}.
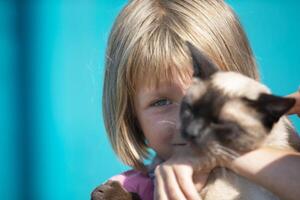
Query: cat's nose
{"points": [[195, 128]]}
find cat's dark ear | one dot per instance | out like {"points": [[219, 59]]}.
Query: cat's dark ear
{"points": [[203, 66], [272, 107]]}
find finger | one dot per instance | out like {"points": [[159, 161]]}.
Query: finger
{"points": [[171, 187], [159, 190], [296, 108], [200, 180], [185, 180]]}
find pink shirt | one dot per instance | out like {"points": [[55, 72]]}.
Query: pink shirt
{"points": [[135, 181]]}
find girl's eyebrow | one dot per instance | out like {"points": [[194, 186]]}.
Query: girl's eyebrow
{"points": [[167, 90], [148, 95]]}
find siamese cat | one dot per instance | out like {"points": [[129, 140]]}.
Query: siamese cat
{"points": [[224, 114]]}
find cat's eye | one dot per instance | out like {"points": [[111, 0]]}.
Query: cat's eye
{"points": [[161, 102]]}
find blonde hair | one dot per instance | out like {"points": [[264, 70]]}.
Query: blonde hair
{"points": [[147, 44]]}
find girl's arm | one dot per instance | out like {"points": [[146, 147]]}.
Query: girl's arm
{"points": [[276, 170]]}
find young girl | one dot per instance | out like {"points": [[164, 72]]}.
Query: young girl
{"points": [[148, 70]]}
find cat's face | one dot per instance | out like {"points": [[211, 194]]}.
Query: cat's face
{"points": [[226, 109]]}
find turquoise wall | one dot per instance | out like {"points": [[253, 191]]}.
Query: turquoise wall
{"points": [[52, 139]]}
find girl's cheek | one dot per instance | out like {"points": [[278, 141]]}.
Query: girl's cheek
{"points": [[161, 125], [167, 129], [160, 132]]}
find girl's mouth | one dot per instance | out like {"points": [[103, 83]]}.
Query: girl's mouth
{"points": [[179, 144]]}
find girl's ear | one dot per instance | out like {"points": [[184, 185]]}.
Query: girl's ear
{"points": [[272, 107], [203, 66]]}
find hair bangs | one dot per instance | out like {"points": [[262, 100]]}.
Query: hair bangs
{"points": [[160, 57]]}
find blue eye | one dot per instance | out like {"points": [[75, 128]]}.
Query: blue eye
{"points": [[161, 102]]}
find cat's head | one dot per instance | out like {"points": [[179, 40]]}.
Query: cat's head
{"points": [[227, 109]]}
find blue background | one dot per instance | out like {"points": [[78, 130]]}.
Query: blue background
{"points": [[52, 139]]}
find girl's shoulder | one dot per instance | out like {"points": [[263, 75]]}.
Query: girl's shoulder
{"points": [[136, 181]]}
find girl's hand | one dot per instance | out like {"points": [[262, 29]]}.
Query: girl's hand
{"points": [[182, 176], [296, 108]]}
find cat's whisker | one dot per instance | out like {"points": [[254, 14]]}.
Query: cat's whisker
{"points": [[229, 153], [223, 172], [167, 122], [233, 153]]}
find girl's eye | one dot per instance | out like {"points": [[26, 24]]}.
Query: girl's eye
{"points": [[161, 102]]}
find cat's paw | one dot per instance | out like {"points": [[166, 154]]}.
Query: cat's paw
{"points": [[111, 190]]}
